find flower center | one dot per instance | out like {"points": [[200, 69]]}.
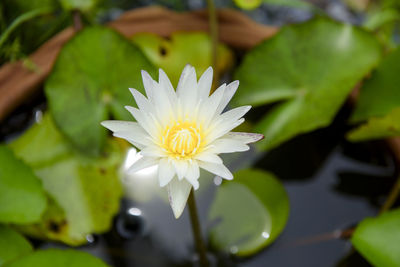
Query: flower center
{"points": [[182, 139]]}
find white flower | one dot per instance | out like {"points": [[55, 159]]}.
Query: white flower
{"points": [[183, 131]]}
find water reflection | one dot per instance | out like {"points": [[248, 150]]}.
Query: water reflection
{"points": [[142, 185], [265, 235], [135, 211]]}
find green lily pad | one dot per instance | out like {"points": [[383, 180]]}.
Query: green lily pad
{"points": [[379, 127], [291, 3], [379, 102], [84, 192], [90, 82], [252, 4], [248, 4], [250, 212], [377, 239], [82, 5], [310, 68], [22, 198], [380, 94], [59, 258], [180, 49], [12, 244]]}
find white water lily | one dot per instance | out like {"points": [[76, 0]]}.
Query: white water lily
{"points": [[183, 131]]}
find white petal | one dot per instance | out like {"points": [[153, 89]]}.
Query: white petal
{"points": [[234, 114], [226, 145], [121, 126], [187, 71], [230, 90], [148, 84], [143, 163], [210, 105], [218, 169], [226, 122], [178, 193], [162, 105], [205, 83], [193, 174], [142, 102], [152, 151], [187, 90], [148, 123], [181, 167], [246, 138], [222, 129], [208, 157], [164, 81], [138, 138], [166, 172]]}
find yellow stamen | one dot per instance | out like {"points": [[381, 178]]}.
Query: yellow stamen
{"points": [[182, 139]]}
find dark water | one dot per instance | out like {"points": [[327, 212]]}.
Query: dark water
{"points": [[331, 183]]}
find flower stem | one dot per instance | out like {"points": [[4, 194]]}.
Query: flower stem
{"points": [[77, 20], [213, 23], [393, 195], [194, 219]]}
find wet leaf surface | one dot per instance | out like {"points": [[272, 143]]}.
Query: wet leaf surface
{"points": [[249, 212]]}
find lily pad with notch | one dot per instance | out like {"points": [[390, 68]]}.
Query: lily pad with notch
{"points": [[89, 83], [308, 69], [84, 192]]}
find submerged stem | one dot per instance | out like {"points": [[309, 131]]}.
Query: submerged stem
{"points": [[213, 23], [77, 20], [194, 219], [393, 195]]}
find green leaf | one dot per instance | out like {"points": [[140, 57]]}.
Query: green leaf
{"points": [[376, 128], [180, 49], [379, 18], [290, 3], [377, 239], [380, 94], [85, 192], [310, 68], [379, 102], [252, 4], [248, 4], [22, 198], [12, 244], [250, 211], [59, 258], [82, 5], [32, 34], [90, 81]]}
